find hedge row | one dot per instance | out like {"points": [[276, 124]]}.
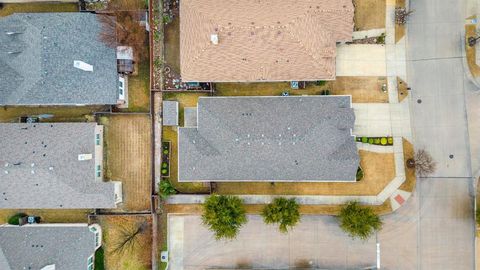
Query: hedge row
{"points": [[376, 140]]}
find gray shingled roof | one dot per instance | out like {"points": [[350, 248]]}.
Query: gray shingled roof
{"points": [[36, 246], [36, 60], [59, 179], [270, 139], [170, 113]]}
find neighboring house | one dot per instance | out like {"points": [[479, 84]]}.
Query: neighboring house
{"points": [[246, 41], [54, 165], [295, 138], [56, 59], [49, 246]]}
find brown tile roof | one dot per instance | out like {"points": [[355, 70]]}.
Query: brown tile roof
{"points": [[262, 40]]}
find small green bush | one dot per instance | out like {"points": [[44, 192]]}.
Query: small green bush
{"points": [[364, 140], [165, 152], [166, 189], [376, 141], [14, 220], [164, 165], [390, 140], [167, 19], [164, 171], [383, 141], [320, 83], [99, 259], [370, 140], [359, 173]]}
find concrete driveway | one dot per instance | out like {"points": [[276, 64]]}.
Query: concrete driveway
{"points": [[433, 230], [436, 76]]}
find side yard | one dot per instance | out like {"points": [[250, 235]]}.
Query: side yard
{"points": [[369, 14], [127, 157], [50, 215], [51, 114], [8, 9], [137, 253]]}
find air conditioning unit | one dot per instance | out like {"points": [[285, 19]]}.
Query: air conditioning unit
{"points": [[82, 157]]}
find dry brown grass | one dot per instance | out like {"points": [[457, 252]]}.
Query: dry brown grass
{"points": [[60, 113], [379, 170], [50, 215], [38, 7], [136, 258], [399, 29], [362, 89], [369, 14], [470, 31], [402, 89], [196, 209], [127, 158], [408, 152]]}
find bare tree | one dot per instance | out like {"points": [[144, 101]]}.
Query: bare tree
{"points": [[401, 15], [423, 163], [129, 236], [121, 26]]}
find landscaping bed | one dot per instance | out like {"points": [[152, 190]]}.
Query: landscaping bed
{"points": [[165, 170], [385, 141]]}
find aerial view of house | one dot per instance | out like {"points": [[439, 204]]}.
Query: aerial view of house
{"points": [[270, 139], [54, 165], [252, 134], [49, 246], [56, 59]]}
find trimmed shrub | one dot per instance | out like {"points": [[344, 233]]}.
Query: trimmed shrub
{"points": [[383, 141], [364, 140], [164, 165], [390, 140], [14, 220], [370, 140], [376, 141], [165, 152], [164, 171]]}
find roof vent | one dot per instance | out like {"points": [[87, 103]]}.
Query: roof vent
{"points": [[12, 33], [214, 39], [82, 65], [82, 157]]}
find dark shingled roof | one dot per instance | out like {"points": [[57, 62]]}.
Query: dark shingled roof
{"points": [[296, 138], [37, 51], [39, 167], [67, 246]]}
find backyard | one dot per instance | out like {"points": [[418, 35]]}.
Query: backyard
{"points": [[362, 89], [127, 157], [8, 9], [369, 14], [138, 89], [137, 255]]}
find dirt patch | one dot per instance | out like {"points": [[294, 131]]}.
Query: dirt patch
{"points": [[128, 158], [408, 153], [402, 89], [50, 216], [57, 113], [362, 89], [197, 209], [378, 168], [470, 31], [138, 257], [369, 14], [38, 7]]}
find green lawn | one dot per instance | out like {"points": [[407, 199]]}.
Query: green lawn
{"points": [[38, 7], [139, 90]]}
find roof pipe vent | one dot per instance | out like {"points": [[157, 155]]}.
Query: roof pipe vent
{"points": [[214, 39]]}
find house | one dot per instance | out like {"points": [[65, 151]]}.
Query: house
{"points": [[49, 246], [56, 59], [252, 41], [289, 139], [54, 165]]}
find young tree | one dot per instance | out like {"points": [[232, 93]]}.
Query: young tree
{"points": [[224, 215], [424, 163], [359, 221], [166, 189], [129, 236], [282, 211]]}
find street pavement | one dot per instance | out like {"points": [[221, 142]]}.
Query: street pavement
{"points": [[433, 230], [436, 77]]}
